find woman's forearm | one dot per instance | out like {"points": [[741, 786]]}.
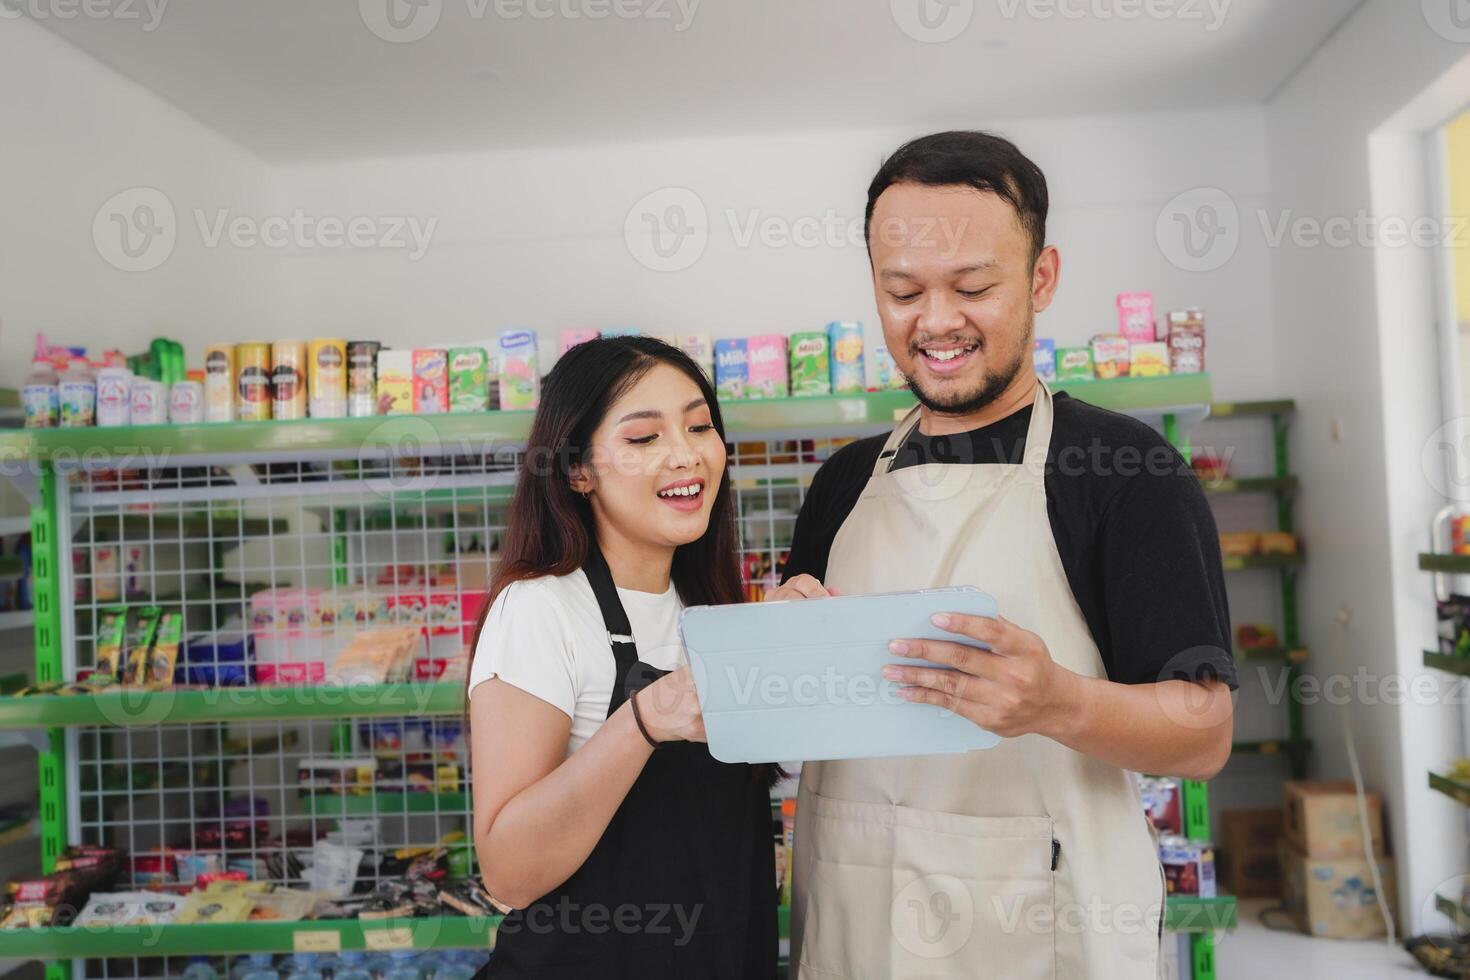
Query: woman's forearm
{"points": [[544, 833]]}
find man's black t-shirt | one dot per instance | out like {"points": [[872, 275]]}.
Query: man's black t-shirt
{"points": [[1131, 523]]}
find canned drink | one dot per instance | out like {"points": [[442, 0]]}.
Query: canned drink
{"points": [[148, 402], [288, 379], [362, 378], [186, 403], [252, 382], [219, 384], [114, 396], [327, 378]]}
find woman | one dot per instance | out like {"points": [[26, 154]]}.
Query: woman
{"points": [[618, 845]]}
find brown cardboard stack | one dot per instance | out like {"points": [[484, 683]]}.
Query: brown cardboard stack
{"points": [[1250, 851], [1328, 880]]}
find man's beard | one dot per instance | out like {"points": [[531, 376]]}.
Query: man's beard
{"points": [[992, 385]]}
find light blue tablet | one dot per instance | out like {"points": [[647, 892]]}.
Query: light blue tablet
{"points": [[803, 680]]}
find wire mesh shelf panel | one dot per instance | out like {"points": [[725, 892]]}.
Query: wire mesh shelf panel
{"points": [[276, 571]]}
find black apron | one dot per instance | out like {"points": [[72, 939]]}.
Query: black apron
{"points": [[682, 884]]}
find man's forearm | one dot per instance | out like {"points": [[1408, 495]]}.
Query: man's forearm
{"points": [[1172, 728]]}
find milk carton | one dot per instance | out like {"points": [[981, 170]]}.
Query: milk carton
{"points": [[768, 370], [732, 367], [520, 381]]}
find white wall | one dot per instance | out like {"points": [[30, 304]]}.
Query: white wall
{"points": [[75, 134], [1358, 345]]}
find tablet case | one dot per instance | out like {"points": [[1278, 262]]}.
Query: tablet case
{"points": [[802, 680]]}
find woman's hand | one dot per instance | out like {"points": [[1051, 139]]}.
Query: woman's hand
{"points": [[670, 708], [799, 587]]}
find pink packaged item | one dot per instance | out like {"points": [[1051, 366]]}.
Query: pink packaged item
{"points": [[767, 366], [571, 338], [1136, 317]]}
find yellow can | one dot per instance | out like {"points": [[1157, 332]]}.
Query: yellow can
{"points": [[288, 379], [326, 375], [252, 382], [219, 383]]}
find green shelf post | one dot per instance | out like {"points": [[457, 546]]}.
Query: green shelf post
{"points": [[50, 763]]}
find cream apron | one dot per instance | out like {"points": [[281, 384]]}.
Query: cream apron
{"points": [[1022, 862]]}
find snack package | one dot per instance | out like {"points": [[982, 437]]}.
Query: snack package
{"points": [[334, 869], [469, 379], [1074, 364], [378, 656], [1149, 360], [165, 652], [430, 381], [137, 669], [732, 367], [1189, 867], [1110, 356], [520, 381], [112, 638], [282, 905], [1187, 342], [571, 338], [1239, 544], [766, 366], [811, 367], [1136, 318], [886, 375], [701, 350], [1044, 359], [204, 906], [845, 347], [1163, 804], [395, 382]]}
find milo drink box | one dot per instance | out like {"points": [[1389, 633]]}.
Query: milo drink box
{"points": [[469, 379], [811, 367]]}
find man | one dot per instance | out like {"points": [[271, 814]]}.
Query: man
{"points": [[1032, 859]]}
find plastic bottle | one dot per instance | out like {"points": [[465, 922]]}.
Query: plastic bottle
{"points": [[41, 396], [303, 967], [403, 966], [352, 966], [199, 968], [260, 968], [78, 388]]}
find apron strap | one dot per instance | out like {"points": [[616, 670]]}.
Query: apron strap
{"points": [[900, 435], [1038, 435], [629, 674]]}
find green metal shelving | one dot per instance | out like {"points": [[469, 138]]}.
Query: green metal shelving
{"points": [[1449, 664], [1453, 788]]}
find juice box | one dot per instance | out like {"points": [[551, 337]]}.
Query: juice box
{"points": [[885, 372], [520, 381], [1136, 318], [430, 381], [571, 338], [811, 367], [1149, 360], [1074, 364], [395, 382], [1044, 359], [701, 351], [766, 355], [849, 373], [469, 379], [1110, 355], [1187, 342], [622, 332], [732, 367]]}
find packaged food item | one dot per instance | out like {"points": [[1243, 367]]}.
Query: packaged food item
{"points": [[1256, 636], [1149, 360], [201, 907], [147, 402], [1189, 867], [845, 345], [165, 652], [148, 622], [1210, 466], [112, 636], [288, 379], [732, 367], [469, 379], [282, 905], [1278, 543], [334, 869], [701, 350], [219, 383], [186, 402], [139, 908], [395, 382], [1044, 359], [1163, 804], [1110, 356], [41, 396], [1074, 364], [114, 396], [1187, 342], [520, 379], [622, 332], [766, 366], [378, 656], [571, 338], [1136, 318], [252, 382], [885, 371], [78, 396], [326, 378], [192, 864], [1238, 544], [362, 378], [811, 364], [430, 381]]}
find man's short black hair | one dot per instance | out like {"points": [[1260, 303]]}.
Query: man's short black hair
{"points": [[968, 158]]}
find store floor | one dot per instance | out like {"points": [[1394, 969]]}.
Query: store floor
{"points": [[1253, 952]]}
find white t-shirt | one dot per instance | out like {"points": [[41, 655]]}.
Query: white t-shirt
{"points": [[546, 636]]}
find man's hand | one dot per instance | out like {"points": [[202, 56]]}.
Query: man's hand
{"points": [[1012, 688], [799, 587]]}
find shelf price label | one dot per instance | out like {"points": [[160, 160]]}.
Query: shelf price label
{"points": [[317, 941], [395, 937]]}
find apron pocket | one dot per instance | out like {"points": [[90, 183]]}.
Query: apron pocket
{"points": [[910, 894]]}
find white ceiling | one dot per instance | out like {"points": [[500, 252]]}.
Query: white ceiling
{"points": [[305, 79]]}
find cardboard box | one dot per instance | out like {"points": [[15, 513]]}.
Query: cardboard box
{"points": [[1322, 819], [1250, 851], [1336, 899]]}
